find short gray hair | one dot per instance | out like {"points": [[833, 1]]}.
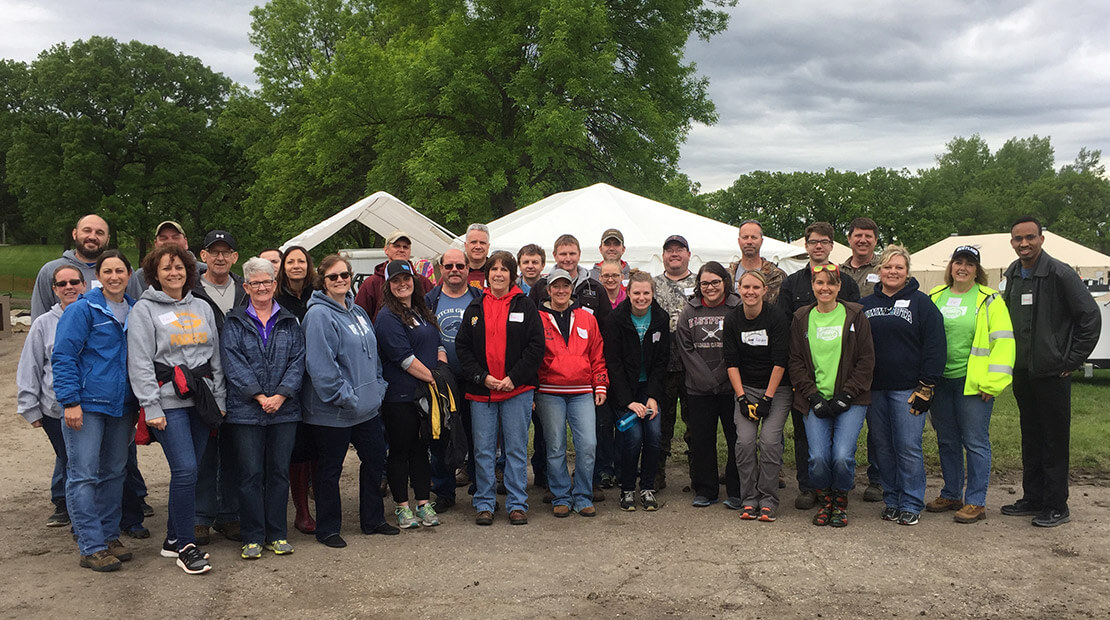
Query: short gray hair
{"points": [[256, 265], [478, 227]]}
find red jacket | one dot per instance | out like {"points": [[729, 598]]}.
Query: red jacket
{"points": [[577, 365]]}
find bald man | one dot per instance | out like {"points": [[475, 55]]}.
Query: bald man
{"points": [[90, 239]]}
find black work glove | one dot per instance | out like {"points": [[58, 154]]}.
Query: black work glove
{"points": [[840, 403], [921, 398], [820, 406], [746, 408], [761, 409]]}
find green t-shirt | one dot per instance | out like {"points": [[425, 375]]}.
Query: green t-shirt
{"points": [[959, 328], [825, 334], [641, 323]]}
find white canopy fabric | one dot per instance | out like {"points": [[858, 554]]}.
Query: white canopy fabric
{"points": [[928, 264], [382, 213], [587, 212]]}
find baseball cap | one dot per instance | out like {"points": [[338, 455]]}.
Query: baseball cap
{"points": [[967, 250], [216, 236], [171, 224], [559, 274], [676, 239], [396, 236], [612, 233], [396, 268]]}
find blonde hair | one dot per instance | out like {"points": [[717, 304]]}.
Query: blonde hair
{"points": [[895, 250]]}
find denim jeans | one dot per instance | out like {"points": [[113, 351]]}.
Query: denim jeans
{"points": [[96, 458], [134, 490], [368, 438], [962, 424], [556, 412], [218, 482], [512, 417], [759, 448], [183, 442], [832, 448], [898, 449], [53, 429], [639, 447], [264, 453]]}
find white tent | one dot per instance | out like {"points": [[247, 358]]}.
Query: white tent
{"points": [[587, 212], [383, 214], [839, 255]]}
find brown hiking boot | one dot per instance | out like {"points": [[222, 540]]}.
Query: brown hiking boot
{"points": [[518, 517], [101, 561], [942, 504], [117, 549], [562, 510], [971, 514], [202, 534]]}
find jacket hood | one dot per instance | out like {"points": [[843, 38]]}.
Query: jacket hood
{"points": [[911, 287], [160, 297], [731, 300], [623, 312], [320, 298], [514, 290], [56, 310], [546, 306]]}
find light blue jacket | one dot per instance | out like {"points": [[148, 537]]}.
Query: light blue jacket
{"points": [[90, 357]]}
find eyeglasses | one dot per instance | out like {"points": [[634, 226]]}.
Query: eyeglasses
{"points": [[64, 283], [610, 276], [221, 253], [831, 267], [260, 284], [711, 283], [345, 275], [455, 266], [822, 242]]}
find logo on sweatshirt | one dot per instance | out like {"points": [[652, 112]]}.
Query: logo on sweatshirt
{"points": [[187, 320]]}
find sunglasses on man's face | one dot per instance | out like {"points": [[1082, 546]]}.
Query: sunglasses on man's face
{"points": [[455, 266], [345, 275], [63, 283]]}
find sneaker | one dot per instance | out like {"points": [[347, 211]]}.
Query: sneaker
{"points": [[60, 518], [461, 478], [747, 513], [383, 528], [147, 510], [137, 532], [1021, 508], [405, 519], [628, 501], [1050, 517], [647, 499], [484, 517], [909, 518], [807, 498], [427, 515], [971, 513], [701, 501], [873, 493], [518, 517], [890, 513], [251, 551], [733, 503], [101, 562], [169, 550], [942, 504], [116, 548], [767, 514], [202, 534], [280, 547], [661, 479], [193, 561], [443, 504], [335, 541], [608, 481]]}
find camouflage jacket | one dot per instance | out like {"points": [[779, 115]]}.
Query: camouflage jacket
{"points": [[774, 276], [672, 295]]}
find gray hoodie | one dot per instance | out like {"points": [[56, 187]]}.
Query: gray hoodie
{"points": [[700, 335], [43, 297], [166, 331], [35, 376]]}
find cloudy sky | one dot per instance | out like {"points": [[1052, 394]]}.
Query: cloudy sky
{"points": [[799, 85]]}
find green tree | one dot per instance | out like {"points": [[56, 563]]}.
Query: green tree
{"points": [[128, 130], [13, 83]]}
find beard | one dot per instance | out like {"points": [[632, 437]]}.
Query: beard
{"points": [[93, 253]]}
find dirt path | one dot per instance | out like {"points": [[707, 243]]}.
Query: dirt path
{"points": [[680, 561]]}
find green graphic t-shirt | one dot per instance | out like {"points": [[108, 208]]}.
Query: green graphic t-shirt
{"points": [[959, 328], [825, 334]]}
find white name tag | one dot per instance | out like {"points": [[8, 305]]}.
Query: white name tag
{"points": [[167, 318], [516, 317], [582, 333], [954, 301], [688, 291], [588, 309], [829, 333], [757, 338], [1027, 299], [872, 278], [656, 336], [901, 303], [94, 284]]}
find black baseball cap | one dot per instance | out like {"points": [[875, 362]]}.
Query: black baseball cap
{"points": [[967, 250], [676, 239], [396, 268], [215, 236]]}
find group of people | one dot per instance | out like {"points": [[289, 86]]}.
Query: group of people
{"points": [[256, 387]]}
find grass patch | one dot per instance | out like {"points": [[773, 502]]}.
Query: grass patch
{"points": [[20, 264]]}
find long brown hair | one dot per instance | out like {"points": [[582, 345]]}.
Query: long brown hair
{"points": [[283, 279], [416, 310]]}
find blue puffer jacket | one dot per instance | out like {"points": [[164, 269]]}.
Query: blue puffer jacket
{"points": [[251, 368], [344, 385], [90, 358]]}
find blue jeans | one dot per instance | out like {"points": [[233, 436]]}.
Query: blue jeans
{"points": [[513, 417], [556, 412], [963, 424], [134, 490], [96, 459], [218, 482], [264, 453], [639, 447], [183, 442], [368, 438], [832, 448], [53, 429], [898, 449]]}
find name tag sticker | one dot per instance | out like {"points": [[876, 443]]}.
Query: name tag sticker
{"points": [[94, 284], [688, 291], [754, 339], [656, 336], [167, 317], [901, 303], [582, 333], [1027, 299], [873, 278], [516, 317], [954, 301]]}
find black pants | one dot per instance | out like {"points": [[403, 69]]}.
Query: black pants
{"points": [[408, 452], [1044, 406], [331, 445], [539, 453], [801, 449], [701, 422], [674, 390]]}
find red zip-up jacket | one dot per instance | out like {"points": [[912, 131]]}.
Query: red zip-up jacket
{"points": [[577, 365]]}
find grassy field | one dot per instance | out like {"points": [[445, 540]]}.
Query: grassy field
{"points": [[19, 264]]}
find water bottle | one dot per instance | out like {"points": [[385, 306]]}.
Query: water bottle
{"points": [[628, 419]]}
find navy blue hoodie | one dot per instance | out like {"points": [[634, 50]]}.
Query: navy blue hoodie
{"points": [[908, 332]]}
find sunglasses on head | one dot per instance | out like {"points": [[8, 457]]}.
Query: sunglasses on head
{"points": [[345, 275], [63, 283], [832, 267]]}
